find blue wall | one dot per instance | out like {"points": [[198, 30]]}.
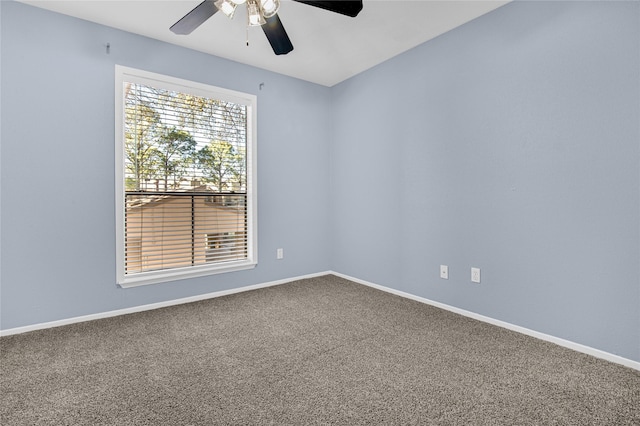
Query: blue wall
{"points": [[510, 144], [58, 216]]}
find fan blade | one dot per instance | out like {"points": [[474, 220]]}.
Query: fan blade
{"points": [[347, 7], [277, 36], [195, 18]]}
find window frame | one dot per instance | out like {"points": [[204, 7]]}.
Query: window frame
{"points": [[125, 74]]}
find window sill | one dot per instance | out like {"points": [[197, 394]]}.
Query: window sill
{"points": [[156, 277]]}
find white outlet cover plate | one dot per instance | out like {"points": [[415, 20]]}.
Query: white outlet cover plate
{"points": [[475, 275], [444, 272]]}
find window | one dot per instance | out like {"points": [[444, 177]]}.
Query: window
{"points": [[185, 179], [224, 245]]}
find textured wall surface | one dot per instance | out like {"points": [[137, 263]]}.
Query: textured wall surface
{"points": [[58, 215], [510, 144]]}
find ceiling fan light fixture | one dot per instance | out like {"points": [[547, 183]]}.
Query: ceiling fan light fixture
{"points": [[269, 7], [259, 13], [254, 15], [228, 7]]}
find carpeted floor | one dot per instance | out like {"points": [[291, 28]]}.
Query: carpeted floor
{"points": [[317, 351]]}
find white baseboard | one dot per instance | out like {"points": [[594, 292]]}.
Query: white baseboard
{"points": [[542, 336], [562, 342], [151, 306]]}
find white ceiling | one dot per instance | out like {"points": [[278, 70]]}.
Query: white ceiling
{"points": [[328, 47]]}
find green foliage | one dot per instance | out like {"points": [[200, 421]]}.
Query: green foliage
{"points": [[171, 137], [173, 153], [221, 165], [140, 126]]}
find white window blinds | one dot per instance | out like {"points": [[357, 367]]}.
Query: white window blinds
{"points": [[186, 179]]}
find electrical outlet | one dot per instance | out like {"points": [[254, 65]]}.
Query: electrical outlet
{"points": [[444, 272], [475, 275], [280, 253]]}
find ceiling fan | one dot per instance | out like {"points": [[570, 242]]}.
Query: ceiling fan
{"points": [[262, 13]]}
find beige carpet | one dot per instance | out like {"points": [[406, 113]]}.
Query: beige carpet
{"points": [[318, 351]]}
